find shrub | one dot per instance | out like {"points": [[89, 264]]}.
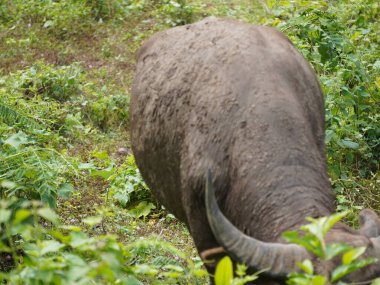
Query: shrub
{"points": [[43, 96], [47, 81], [128, 189], [346, 61], [40, 251], [31, 166], [126, 185], [30, 171], [107, 112]]}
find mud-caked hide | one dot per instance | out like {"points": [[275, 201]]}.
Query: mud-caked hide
{"points": [[241, 102]]}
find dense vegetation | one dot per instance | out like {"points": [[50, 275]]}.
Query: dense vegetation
{"points": [[74, 208]]}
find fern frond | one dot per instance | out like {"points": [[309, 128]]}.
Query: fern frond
{"points": [[154, 245], [11, 116], [160, 261]]}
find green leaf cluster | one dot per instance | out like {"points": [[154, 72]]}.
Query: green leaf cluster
{"points": [[341, 40], [176, 13], [224, 273], [313, 240], [38, 250]]}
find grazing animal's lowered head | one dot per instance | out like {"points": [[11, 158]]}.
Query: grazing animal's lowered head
{"points": [[241, 101]]}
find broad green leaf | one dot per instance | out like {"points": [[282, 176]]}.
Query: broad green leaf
{"points": [[48, 24], [200, 272], [31, 173], [65, 190], [174, 268], [377, 82], [377, 280], [310, 242], [329, 135], [50, 246], [32, 249], [340, 272], [102, 155], [16, 140], [92, 221], [292, 236], [122, 198], [319, 227], [7, 184], [334, 249], [21, 215], [344, 269], [59, 235], [224, 272], [104, 173], [4, 215], [315, 227], [79, 239], [78, 267], [172, 274], [46, 276], [319, 280], [145, 269], [243, 280], [49, 198], [49, 215], [133, 281], [298, 279], [352, 255], [70, 228], [332, 220], [241, 269], [143, 209], [85, 166], [306, 266], [348, 144]]}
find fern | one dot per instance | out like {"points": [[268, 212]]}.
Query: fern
{"points": [[11, 116], [35, 173], [160, 261], [153, 245]]}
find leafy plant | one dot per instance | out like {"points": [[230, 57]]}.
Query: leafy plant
{"points": [[40, 97], [128, 189], [346, 61], [105, 9], [32, 172], [168, 265], [179, 12], [107, 111], [12, 116], [31, 166], [313, 240], [127, 185], [224, 273], [58, 83], [60, 18], [66, 255]]}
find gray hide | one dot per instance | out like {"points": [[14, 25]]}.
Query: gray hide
{"points": [[241, 101]]}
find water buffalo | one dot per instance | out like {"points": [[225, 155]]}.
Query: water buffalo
{"points": [[239, 100]]}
